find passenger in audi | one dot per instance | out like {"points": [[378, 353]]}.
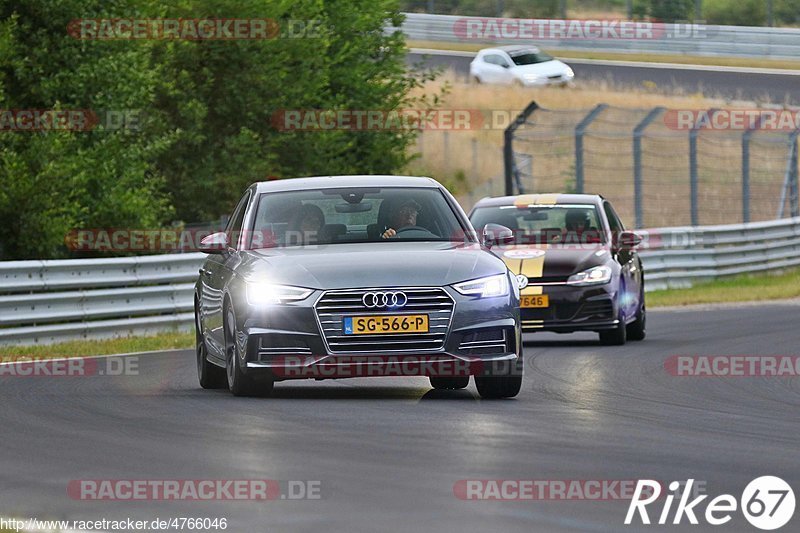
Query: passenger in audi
{"points": [[306, 225]]}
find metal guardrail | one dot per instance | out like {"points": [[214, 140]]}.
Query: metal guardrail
{"points": [[706, 40], [43, 302], [679, 257]]}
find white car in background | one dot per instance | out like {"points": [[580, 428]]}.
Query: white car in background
{"points": [[526, 66]]}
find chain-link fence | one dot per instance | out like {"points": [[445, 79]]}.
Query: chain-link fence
{"points": [[663, 167]]}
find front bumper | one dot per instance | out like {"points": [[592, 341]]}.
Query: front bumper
{"points": [[287, 341], [546, 81], [572, 309]]}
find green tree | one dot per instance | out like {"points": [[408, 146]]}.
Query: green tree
{"points": [[671, 10], [55, 181], [205, 107]]}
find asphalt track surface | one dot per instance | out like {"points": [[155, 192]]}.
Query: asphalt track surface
{"points": [[714, 82], [388, 451]]}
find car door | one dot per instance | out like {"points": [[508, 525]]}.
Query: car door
{"points": [[494, 70], [630, 275], [216, 276]]}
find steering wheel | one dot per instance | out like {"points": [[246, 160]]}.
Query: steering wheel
{"points": [[418, 229]]}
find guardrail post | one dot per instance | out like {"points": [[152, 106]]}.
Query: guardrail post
{"points": [[580, 130], [638, 132], [508, 145]]}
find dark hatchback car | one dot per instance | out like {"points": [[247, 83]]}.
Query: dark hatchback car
{"points": [[576, 265], [345, 276]]}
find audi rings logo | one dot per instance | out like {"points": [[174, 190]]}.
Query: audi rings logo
{"points": [[384, 299]]}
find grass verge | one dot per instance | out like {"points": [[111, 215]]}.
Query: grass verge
{"points": [[750, 288], [611, 56], [163, 341]]}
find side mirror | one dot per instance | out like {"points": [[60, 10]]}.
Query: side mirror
{"points": [[216, 243], [628, 240], [505, 65], [497, 234]]}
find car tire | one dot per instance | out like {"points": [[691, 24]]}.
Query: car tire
{"points": [[453, 383], [239, 383], [476, 80], [616, 336], [502, 384], [210, 375], [636, 330]]}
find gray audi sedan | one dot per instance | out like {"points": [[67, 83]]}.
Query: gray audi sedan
{"points": [[353, 276]]}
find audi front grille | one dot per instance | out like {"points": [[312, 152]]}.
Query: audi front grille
{"points": [[334, 306]]}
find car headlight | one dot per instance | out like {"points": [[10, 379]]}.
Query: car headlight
{"points": [[592, 276], [484, 287], [569, 73], [261, 293]]}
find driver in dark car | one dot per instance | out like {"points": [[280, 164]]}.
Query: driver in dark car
{"points": [[578, 229], [404, 216]]}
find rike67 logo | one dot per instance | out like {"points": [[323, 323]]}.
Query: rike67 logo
{"points": [[767, 503]]}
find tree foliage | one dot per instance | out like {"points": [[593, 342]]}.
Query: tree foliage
{"points": [[204, 110]]}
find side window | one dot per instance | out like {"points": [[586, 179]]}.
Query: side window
{"points": [[613, 220], [495, 59], [233, 231]]}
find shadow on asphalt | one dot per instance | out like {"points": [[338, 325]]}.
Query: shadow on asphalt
{"points": [[293, 392]]}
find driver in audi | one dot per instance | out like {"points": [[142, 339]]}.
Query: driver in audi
{"points": [[404, 216]]}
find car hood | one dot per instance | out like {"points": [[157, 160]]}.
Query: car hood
{"points": [[548, 68], [381, 264], [554, 262]]}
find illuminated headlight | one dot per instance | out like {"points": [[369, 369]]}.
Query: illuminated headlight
{"points": [[593, 276], [569, 73], [261, 293], [484, 287]]}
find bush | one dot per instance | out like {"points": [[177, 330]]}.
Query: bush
{"points": [[735, 13]]}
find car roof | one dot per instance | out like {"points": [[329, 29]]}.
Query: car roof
{"points": [[334, 182], [541, 199], [512, 48]]}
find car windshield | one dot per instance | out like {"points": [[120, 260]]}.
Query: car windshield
{"points": [[545, 224], [351, 215], [530, 57]]}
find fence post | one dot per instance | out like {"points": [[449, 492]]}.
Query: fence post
{"points": [[580, 129], [474, 158], [789, 188], [693, 173], [693, 178], [746, 136], [638, 132], [508, 146], [793, 196], [446, 149]]}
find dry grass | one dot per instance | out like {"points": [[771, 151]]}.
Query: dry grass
{"points": [[470, 162]]}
